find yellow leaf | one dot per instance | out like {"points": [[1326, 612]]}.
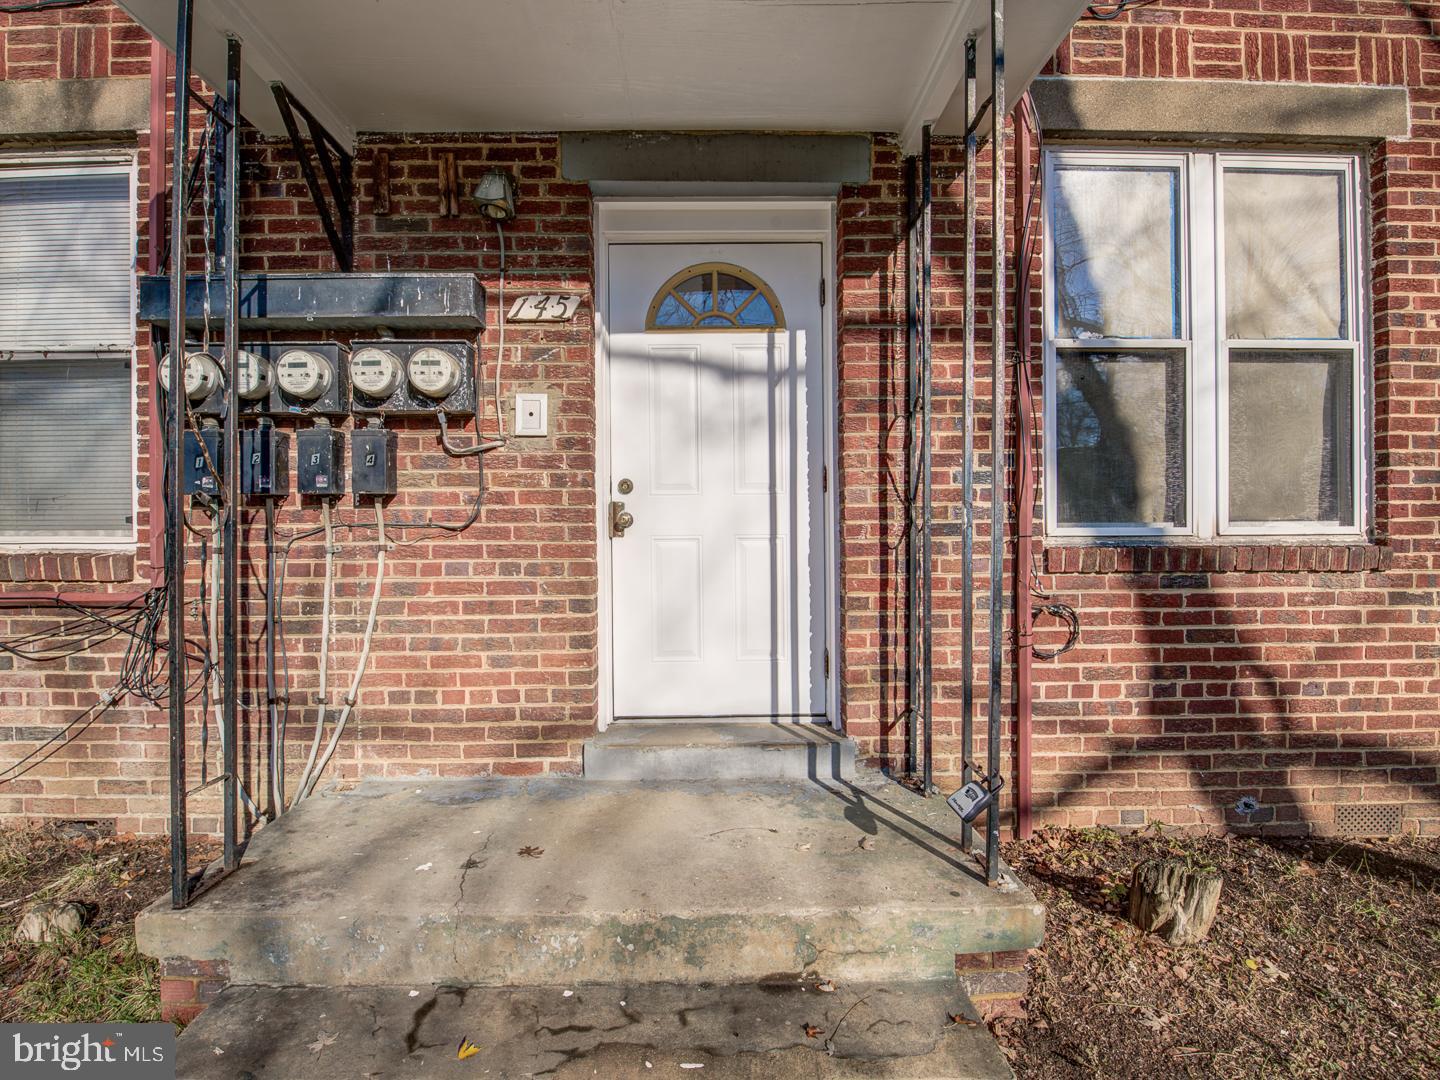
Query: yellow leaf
{"points": [[1252, 963]]}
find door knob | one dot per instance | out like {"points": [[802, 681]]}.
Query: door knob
{"points": [[620, 519]]}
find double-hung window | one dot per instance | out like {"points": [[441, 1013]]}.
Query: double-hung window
{"points": [[67, 243], [1204, 348]]}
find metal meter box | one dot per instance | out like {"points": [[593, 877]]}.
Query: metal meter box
{"points": [[203, 467], [372, 462], [328, 395], [408, 398], [320, 467], [265, 461]]}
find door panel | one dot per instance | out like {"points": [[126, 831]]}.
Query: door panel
{"points": [[719, 586]]}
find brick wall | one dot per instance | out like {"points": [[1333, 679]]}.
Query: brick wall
{"points": [[1306, 677], [91, 42], [1303, 676]]}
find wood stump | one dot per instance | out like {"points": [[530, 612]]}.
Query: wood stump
{"points": [[1174, 900]]}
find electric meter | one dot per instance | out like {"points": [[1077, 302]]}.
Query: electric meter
{"points": [[375, 372], [303, 374], [255, 375], [434, 372], [202, 375]]}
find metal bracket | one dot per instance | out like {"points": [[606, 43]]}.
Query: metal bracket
{"points": [[339, 223]]}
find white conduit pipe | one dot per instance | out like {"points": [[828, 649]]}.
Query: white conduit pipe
{"points": [[354, 690], [324, 647]]}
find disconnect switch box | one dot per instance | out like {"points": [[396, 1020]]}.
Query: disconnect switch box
{"points": [[372, 462], [203, 465], [265, 461], [321, 461]]}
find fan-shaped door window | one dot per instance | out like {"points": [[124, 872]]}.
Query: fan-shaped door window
{"points": [[715, 296]]}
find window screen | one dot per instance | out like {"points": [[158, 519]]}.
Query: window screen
{"points": [[66, 330]]}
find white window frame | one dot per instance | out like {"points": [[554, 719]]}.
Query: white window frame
{"points": [[74, 162], [1206, 349]]}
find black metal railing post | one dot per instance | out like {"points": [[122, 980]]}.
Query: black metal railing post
{"points": [[912, 469], [967, 474], [230, 628], [997, 428], [926, 385], [175, 435]]}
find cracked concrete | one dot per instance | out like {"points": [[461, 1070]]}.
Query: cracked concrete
{"points": [[423, 883], [755, 1032]]}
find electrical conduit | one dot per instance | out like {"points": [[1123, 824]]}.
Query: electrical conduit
{"points": [[351, 695]]}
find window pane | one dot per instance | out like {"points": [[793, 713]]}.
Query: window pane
{"points": [[65, 462], [66, 261], [1285, 254], [1291, 418], [1120, 437], [1117, 251]]}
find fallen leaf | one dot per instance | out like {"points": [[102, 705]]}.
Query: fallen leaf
{"points": [[867, 843], [216, 1051], [813, 1032], [961, 1020], [466, 1049], [1252, 963], [1181, 972], [826, 987], [530, 852], [323, 1041]]}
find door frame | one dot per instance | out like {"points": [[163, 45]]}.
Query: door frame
{"points": [[711, 221]]}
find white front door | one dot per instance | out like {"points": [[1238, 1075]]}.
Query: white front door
{"points": [[718, 586]]}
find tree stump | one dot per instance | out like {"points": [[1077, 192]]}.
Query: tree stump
{"points": [[1174, 900]]}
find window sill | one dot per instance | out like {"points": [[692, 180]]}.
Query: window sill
{"points": [[1137, 557], [66, 567]]}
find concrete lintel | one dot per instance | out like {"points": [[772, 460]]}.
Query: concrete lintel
{"points": [[1284, 112], [714, 157], [49, 107]]}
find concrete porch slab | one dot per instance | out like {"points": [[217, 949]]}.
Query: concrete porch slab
{"points": [[718, 750], [750, 1032], [569, 881]]}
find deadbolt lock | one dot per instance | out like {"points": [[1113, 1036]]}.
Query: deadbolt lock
{"points": [[625, 486], [620, 519]]}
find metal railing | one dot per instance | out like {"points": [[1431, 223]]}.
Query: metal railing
{"points": [[920, 434]]}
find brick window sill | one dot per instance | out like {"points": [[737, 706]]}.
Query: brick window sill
{"points": [[1227, 558], [73, 567]]}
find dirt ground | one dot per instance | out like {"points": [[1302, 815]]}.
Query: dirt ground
{"points": [[97, 975], [1324, 961]]}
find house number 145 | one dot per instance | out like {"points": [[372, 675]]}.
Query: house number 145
{"points": [[542, 307]]}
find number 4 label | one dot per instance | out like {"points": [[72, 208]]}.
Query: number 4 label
{"points": [[542, 307]]}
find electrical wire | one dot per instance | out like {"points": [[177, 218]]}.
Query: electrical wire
{"points": [[481, 445], [1066, 614], [305, 790], [42, 5], [1113, 10], [324, 691]]}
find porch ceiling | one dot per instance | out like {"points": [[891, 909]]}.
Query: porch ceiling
{"points": [[557, 65]]}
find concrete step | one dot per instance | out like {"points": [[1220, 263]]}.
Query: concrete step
{"points": [[565, 881], [750, 1032], [718, 750]]}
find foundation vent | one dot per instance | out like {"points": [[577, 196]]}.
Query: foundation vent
{"points": [[1371, 820]]}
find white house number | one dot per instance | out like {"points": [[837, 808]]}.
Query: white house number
{"points": [[542, 307]]}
